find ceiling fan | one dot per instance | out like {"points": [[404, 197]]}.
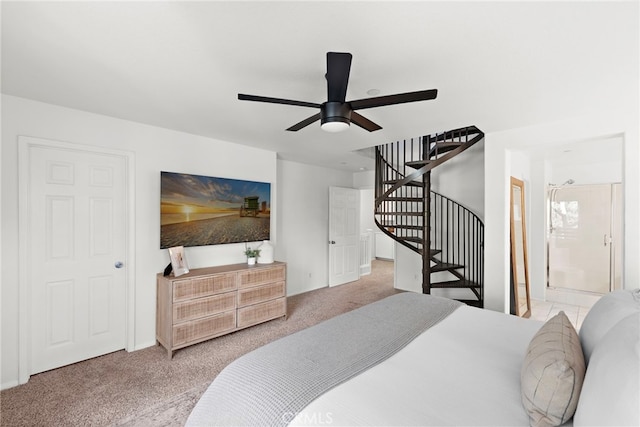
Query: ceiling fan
{"points": [[336, 114]]}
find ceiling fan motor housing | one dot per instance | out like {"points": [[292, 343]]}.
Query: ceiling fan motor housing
{"points": [[335, 112]]}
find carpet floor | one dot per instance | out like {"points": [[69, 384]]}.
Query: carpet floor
{"points": [[145, 388]]}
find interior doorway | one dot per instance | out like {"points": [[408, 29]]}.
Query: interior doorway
{"points": [[75, 261], [344, 236], [584, 237]]}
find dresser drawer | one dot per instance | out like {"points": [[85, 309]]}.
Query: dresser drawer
{"points": [[256, 294], [259, 276], [203, 286], [257, 313], [204, 328], [201, 307]]}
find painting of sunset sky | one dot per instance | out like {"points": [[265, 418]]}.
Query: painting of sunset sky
{"points": [[201, 210]]}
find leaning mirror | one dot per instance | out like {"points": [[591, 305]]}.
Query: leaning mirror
{"points": [[520, 296]]}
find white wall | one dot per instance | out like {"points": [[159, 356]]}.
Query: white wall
{"points": [[588, 173], [303, 219], [537, 227], [367, 200], [365, 182], [155, 149], [462, 179], [407, 270], [364, 179], [520, 166], [498, 167]]}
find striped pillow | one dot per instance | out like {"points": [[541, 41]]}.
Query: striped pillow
{"points": [[552, 373]]}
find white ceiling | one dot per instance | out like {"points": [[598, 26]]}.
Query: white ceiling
{"points": [[180, 65]]}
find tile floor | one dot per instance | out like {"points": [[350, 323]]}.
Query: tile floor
{"points": [[575, 304]]}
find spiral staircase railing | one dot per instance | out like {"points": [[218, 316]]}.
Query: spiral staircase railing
{"points": [[407, 210]]}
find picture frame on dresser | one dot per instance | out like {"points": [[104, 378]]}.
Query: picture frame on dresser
{"points": [[178, 261]]}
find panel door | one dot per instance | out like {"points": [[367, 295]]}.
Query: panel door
{"points": [[77, 231], [344, 235]]}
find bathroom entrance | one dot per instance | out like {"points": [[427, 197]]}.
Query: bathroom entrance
{"points": [[584, 237]]}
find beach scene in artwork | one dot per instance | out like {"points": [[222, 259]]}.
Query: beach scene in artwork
{"points": [[200, 210]]}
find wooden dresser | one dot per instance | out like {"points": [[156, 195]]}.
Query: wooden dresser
{"points": [[209, 302]]}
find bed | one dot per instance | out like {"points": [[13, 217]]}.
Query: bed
{"points": [[413, 359]]}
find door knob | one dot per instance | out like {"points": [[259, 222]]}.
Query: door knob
{"points": [[333, 242], [119, 264]]}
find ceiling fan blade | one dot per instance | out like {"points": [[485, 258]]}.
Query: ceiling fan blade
{"points": [[304, 123], [244, 97], [338, 68], [363, 122], [401, 98]]}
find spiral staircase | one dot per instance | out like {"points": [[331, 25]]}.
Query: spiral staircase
{"points": [[448, 237]]}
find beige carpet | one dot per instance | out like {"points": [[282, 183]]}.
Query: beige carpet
{"points": [[145, 388]]}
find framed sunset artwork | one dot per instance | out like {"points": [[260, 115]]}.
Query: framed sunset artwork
{"points": [[198, 210]]}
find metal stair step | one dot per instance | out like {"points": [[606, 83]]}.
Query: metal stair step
{"points": [[469, 132], [410, 239], [443, 266], [410, 183], [404, 227], [455, 284], [444, 147], [417, 164], [432, 252], [447, 144], [404, 199], [450, 144], [400, 213]]}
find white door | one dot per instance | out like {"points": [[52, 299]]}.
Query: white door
{"points": [[344, 235], [77, 217]]}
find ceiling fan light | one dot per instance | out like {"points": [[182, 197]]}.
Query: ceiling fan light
{"points": [[335, 126], [335, 116]]}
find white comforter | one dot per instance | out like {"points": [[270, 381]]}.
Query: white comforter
{"points": [[464, 371]]}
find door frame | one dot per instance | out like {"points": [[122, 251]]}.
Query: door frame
{"points": [[25, 144]]}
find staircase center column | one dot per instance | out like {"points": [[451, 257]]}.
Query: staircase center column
{"points": [[426, 234]]}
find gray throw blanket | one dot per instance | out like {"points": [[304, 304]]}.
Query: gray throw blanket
{"points": [[271, 384]]}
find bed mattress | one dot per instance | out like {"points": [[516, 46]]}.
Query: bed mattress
{"points": [[465, 370]]}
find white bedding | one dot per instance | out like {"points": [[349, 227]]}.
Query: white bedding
{"points": [[463, 371]]}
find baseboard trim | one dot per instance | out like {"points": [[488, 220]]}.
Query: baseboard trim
{"points": [[9, 384]]}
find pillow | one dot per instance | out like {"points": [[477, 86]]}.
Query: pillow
{"points": [[552, 373], [605, 313], [611, 391]]}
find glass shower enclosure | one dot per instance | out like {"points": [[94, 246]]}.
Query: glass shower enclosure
{"points": [[584, 237]]}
